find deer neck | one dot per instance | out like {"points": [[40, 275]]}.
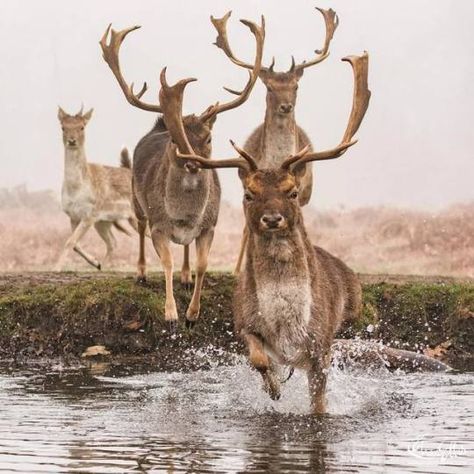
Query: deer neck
{"points": [[75, 167], [186, 194], [279, 138]]}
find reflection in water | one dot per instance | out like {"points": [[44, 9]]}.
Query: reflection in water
{"points": [[125, 419]]}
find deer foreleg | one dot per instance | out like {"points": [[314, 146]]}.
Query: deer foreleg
{"points": [[162, 246], [243, 246], [203, 246], [317, 380], [105, 233], [259, 359], [186, 277], [72, 243]]}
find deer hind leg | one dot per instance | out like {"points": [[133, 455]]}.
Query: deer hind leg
{"points": [[104, 229], [141, 264], [317, 380], [203, 246], [162, 247], [243, 246], [259, 359], [186, 276], [72, 243]]}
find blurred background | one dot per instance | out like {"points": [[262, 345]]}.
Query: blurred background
{"points": [[400, 201]]}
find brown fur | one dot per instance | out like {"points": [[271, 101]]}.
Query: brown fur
{"points": [[291, 297], [92, 194]]}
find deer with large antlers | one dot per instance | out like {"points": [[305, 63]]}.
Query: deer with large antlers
{"points": [[291, 297], [279, 135], [92, 194], [177, 199]]}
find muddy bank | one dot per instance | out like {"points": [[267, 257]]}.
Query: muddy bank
{"points": [[46, 315]]}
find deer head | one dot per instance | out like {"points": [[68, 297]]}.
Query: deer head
{"points": [[281, 86], [271, 195], [191, 134], [73, 127]]}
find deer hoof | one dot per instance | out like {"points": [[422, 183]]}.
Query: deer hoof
{"points": [[98, 266], [190, 324], [141, 280], [173, 326], [187, 285]]}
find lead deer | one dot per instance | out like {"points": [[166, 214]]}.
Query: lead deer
{"points": [[279, 135], [177, 199], [92, 194], [291, 297]]}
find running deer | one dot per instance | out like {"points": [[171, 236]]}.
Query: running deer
{"points": [[291, 297], [279, 136], [177, 199], [92, 194]]}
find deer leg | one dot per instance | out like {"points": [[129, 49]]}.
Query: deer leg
{"points": [[141, 264], [203, 246], [80, 251], [162, 246], [186, 276], [243, 246], [317, 380], [104, 230], [259, 359], [72, 243]]}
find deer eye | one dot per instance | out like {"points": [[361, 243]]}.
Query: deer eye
{"points": [[209, 140], [293, 195], [248, 197], [82, 128]]}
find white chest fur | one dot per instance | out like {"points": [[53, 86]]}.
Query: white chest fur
{"points": [[284, 312]]}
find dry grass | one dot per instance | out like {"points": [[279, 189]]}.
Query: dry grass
{"points": [[372, 240]]}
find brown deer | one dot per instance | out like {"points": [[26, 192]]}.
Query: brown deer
{"points": [[279, 136], [177, 199], [291, 297], [92, 194]]}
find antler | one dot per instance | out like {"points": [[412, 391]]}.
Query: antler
{"points": [[111, 55], [332, 21], [223, 43], [171, 101], [360, 102], [248, 163]]}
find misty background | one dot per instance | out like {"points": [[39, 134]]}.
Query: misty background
{"points": [[414, 144]]}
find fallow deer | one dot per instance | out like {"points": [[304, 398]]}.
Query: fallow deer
{"points": [[279, 135], [177, 199], [92, 194], [291, 297]]}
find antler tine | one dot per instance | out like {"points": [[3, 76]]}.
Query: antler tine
{"points": [[248, 163], [259, 33], [110, 53], [171, 101], [331, 21], [360, 103]]}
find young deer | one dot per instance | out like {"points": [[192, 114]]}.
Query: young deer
{"points": [[279, 136], [92, 194], [177, 199], [291, 297]]}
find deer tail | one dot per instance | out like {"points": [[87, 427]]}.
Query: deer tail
{"points": [[125, 161]]}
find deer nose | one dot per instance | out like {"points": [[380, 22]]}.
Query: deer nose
{"points": [[271, 221], [71, 141], [286, 108]]}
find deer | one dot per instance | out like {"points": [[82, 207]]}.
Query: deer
{"points": [[92, 194], [178, 200], [279, 135], [291, 297]]}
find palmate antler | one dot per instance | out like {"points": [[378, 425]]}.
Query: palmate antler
{"points": [[110, 53], [330, 18], [360, 103], [171, 97]]}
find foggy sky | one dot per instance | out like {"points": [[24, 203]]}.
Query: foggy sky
{"points": [[413, 146]]}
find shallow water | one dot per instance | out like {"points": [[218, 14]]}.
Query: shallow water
{"points": [[219, 420]]}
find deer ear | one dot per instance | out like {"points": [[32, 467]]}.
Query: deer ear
{"points": [[298, 170], [61, 114], [298, 73], [243, 174], [87, 116]]}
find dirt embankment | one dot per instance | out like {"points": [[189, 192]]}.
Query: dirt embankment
{"points": [[51, 315]]}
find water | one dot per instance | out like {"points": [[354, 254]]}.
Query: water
{"points": [[123, 419]]}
